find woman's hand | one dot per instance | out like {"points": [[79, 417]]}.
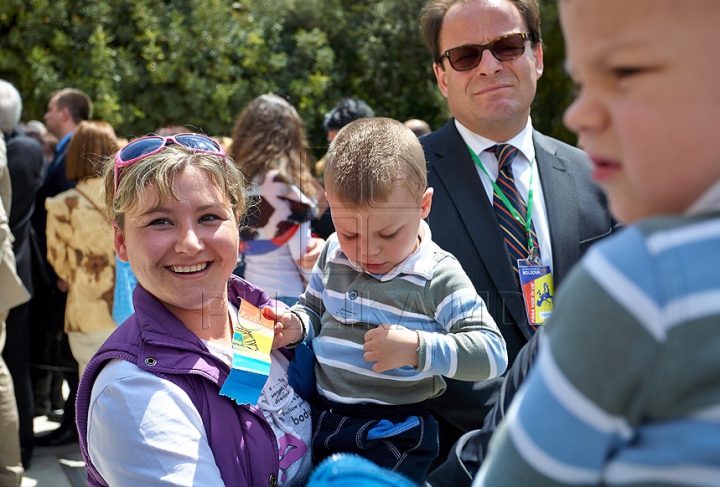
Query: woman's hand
{"points": [[62, 286]]}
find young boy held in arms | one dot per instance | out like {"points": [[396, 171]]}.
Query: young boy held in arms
{"points": [[388, 313]]}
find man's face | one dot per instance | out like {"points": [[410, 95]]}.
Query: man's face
{"points": [[54, 117], [647, 110], [493, 99]]}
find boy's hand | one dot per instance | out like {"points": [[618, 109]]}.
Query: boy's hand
{"points": [[288, 328], [390, 347]]}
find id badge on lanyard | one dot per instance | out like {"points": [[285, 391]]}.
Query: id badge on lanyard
{"points": [[535, 279], [537, 288]]}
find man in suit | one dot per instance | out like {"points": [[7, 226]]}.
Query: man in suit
{"points": [[487, 60], [66, 109]]}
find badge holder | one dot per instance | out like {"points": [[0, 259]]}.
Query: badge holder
{"points": [[537, 288]]}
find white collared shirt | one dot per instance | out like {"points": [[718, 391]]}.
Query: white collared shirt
{"points": [[709, 201], [522, 169]]}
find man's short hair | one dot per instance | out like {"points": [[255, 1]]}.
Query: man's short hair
{"points": [[418, 127], [77, 102], [348, 110], [10, 106], [434, 12], [369, 157]]}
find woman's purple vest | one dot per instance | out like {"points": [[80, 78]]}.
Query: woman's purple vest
{"points": [[242, 442]]}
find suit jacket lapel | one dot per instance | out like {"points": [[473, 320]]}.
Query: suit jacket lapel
{"points": [[561, 203], [457, 171]]}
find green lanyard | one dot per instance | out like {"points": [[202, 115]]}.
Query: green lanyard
{"points": [[525, 223]]}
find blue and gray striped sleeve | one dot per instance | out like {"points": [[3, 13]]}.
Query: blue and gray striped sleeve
{"points": [[470, 347], [624, 390]]}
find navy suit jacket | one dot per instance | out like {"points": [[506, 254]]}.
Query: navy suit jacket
{"points": [[26, 164], [463, 222], [55, 183]]}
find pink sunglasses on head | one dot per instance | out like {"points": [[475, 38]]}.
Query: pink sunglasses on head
{"points": [[143, 147]]}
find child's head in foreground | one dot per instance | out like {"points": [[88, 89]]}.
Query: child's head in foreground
{"points": [[647, 109], [375, 180]]}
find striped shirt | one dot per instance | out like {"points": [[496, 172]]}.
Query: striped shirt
{"points": [[626, 387], [428, 292]]}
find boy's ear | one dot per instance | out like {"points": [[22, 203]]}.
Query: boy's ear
{"points": [[426, 203], [119, 241]]}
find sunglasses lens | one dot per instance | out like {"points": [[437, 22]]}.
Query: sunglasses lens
{"points": [[508, 48], [139, 147], [197, 142], [465, 57]]}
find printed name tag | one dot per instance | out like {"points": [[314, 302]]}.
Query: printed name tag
{"points": [[252, 342], [538, 291]]}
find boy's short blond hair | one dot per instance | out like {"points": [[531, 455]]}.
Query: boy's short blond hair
{"points": [[369, 157], [159, 170]]}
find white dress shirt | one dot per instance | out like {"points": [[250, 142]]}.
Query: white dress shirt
{"points": [[523, 166], [708, 201]]}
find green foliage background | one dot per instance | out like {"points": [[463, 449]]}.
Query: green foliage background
{"points": [[149, 63]]}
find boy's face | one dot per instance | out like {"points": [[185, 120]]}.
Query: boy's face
{"points": [[381, 235], [648, 108]]}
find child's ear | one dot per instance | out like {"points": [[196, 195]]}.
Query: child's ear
{"points": [[426, 202]]}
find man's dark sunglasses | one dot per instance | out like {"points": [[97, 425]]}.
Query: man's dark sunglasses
{"points": [[505, 48]]}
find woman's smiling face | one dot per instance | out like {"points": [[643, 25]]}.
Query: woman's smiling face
{"points": [[184, 251]]}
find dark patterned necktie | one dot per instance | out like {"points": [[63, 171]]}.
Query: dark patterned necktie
{"points": [[516, 238]]}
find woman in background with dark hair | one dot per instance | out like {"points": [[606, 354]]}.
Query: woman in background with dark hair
{"points": [[271, 149]]}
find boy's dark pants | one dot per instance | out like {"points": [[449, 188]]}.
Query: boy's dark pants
{"points": [[401, 438]]}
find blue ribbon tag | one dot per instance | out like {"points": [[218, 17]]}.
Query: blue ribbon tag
{"points": [[252, 342]]}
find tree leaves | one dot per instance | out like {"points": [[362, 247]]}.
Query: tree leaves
{"points": [[149, 63]]}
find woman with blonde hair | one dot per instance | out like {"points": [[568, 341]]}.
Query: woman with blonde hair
{"points": [[150, 408], [270, 148]]}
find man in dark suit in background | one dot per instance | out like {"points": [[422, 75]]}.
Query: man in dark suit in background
{"points": [[66, 109], [487, 60]]}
